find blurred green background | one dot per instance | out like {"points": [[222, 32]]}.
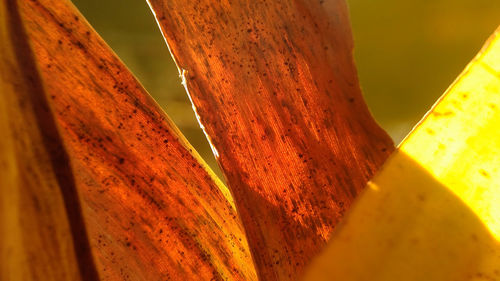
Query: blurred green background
{"points": [[407, 53]]}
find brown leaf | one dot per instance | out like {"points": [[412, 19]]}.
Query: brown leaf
{"points": [[275, 86], [41, 227], [153, 210]]}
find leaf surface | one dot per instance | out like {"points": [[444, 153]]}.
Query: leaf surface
{"points": [[276, 91], [153, 209], [433, 212]]}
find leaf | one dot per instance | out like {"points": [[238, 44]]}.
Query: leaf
{"points": [[276, 91], [433, 212], [153, 209], [41, 227]]}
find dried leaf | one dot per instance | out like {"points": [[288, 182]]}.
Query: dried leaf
{"points": [[154, 211], [276, 90], [433, 212], [41, 227]]}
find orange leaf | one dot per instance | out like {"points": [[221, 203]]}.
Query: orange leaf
{"points": [[275, 87], [153, 210]]}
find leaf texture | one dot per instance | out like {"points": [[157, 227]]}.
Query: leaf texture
{"points": [[276, 91], [153, 209], [433, 212]]}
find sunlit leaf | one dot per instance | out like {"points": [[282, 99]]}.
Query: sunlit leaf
{"points": [[275, 88], [153, 210], [433, 212]]}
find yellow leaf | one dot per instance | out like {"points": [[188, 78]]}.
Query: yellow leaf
{"points": [[433, 212], [42, 235]]}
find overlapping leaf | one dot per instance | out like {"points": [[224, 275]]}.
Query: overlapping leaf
{"points": [[153, 210], [433, 213], [276, 90]]}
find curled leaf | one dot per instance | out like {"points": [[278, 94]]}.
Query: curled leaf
{"points": [[276, 91]]}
